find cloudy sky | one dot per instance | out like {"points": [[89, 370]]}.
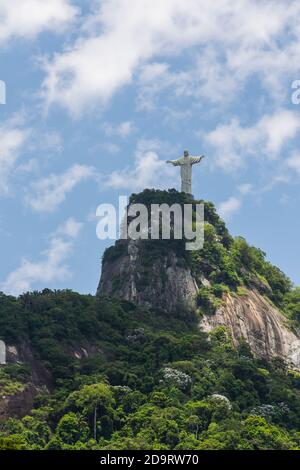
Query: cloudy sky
{"points": [[99, 93]]}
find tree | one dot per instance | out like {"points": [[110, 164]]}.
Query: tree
{"points": [[93, 402], [71, 429]]}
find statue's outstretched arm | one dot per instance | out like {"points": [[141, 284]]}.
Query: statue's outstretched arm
{"points": [[196, 159], [174, 162]]}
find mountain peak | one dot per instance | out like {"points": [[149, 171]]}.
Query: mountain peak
{"points": [[225, 283]]}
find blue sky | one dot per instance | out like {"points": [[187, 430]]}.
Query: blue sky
{"points": [[101, 93]]}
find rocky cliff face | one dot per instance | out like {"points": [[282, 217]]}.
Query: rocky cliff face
{"points": [[167, 283], [249, 316], [256, 320], [20, 402]]}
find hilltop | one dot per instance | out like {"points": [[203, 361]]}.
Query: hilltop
{"points": [[227, 282]]}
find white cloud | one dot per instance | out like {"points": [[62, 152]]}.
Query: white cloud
{"points": [[278, 129], [18, 143], [228, 208], [154, 71], [155, 78], [110, 147], [51, 191], [13, 136], [123, 130], [232, 40], [29, 166], [265, 139], [51, 268], [28, 18], [232, 205], [148, 170], [294, 163], [51, 141], [245, 188], [70, 228]]}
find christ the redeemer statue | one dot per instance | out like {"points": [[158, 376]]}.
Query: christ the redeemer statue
{"points": [[185, 164]]}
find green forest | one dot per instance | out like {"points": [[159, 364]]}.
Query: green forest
{"points": [[119, 376]]}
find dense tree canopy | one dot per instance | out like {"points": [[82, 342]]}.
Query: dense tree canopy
{"points": [[122, 377], [149, 382]]}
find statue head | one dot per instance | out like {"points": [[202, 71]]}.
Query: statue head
{"points": [[186, 153]]}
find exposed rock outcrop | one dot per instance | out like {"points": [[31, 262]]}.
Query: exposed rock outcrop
{"points": [[21, 401], [18, 404], [167, 284], [263, 326], [23, 354]]}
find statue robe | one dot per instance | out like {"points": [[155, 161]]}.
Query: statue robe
{"points": [[185, 164]]}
